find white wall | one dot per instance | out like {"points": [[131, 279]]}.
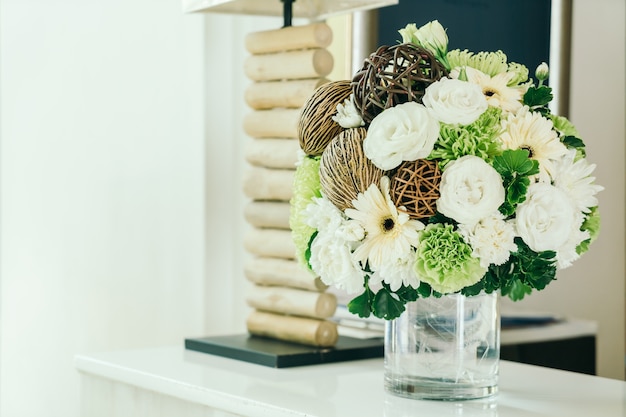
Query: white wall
{"points": [[593, 288], [102, 188]]}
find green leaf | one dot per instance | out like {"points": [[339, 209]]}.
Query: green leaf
{"points": [[386, 306], [514, 162], [516, 290], [362, 304], [424, 290], [472, 289], [538, 96], [407, 294], [307, 252], [575, 143], [514, 166]]}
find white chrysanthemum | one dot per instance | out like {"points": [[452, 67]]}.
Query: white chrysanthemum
{"points": [[347, 115], [351, 231], [331, 259], [496, 89], [533, 132], [322, 215], [574, 177], [566, 254], [491, 239], [390, 233], [399, 271]]}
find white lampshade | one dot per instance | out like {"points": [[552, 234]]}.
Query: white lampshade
{"points": [[311, 9]]}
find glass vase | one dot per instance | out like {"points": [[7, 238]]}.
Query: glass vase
{"points": [[445, 348]]}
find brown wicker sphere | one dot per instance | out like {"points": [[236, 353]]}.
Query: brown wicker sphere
{"points": [[394, 75], [415, 186], [316, 128], [345, 171]]}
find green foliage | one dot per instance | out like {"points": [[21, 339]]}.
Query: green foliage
{"points": [[307, 252], [575, 143], [591, 225], [525, 271], [362, 304], [386, 305], [514, 166], [537, 98]]}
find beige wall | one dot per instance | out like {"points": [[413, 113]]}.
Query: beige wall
{"points": [[593, 288]]}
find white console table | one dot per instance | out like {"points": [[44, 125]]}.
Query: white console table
{"points": [[172, 381]]}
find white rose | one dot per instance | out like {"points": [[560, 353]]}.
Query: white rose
{"points": [[453, 101], [405, 132], [470, 189], [546, 219]]}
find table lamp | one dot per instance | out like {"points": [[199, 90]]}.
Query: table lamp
{"points": [[291, 323]]}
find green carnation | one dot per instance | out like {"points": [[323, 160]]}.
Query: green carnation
{"points": [[306, 186], [445, 261], [478, 139]]}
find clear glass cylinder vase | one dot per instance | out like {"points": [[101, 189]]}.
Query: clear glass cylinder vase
{"points": [[445, 348]]}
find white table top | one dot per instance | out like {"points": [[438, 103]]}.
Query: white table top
{"points": [[346, 389]]}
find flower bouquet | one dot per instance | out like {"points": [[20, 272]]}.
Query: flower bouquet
{"points": [[435, 172]]}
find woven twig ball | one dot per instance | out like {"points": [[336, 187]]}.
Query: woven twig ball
{"points": [[394, 75], [415, 186], [316, 128], [345, 171]]}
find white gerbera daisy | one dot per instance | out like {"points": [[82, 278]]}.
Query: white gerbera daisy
{"points": [[390, 233], [491, 239], [533, 132], [496, 89], [574, 177]]}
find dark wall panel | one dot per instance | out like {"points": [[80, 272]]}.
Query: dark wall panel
{"points": [[520, 28]]}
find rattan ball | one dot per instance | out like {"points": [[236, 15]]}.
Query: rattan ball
{"points": [[394, 75], [316, 128], [415, 186], [345, 171]]}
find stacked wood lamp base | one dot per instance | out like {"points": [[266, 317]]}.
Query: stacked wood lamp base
{"points": [[286, 66]]}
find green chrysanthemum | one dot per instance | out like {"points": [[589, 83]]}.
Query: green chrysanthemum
{"points": [[490, 63], [306, 186], [564, 126], [521, 73], [478, 139], [445, 261], [591, 225]]}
